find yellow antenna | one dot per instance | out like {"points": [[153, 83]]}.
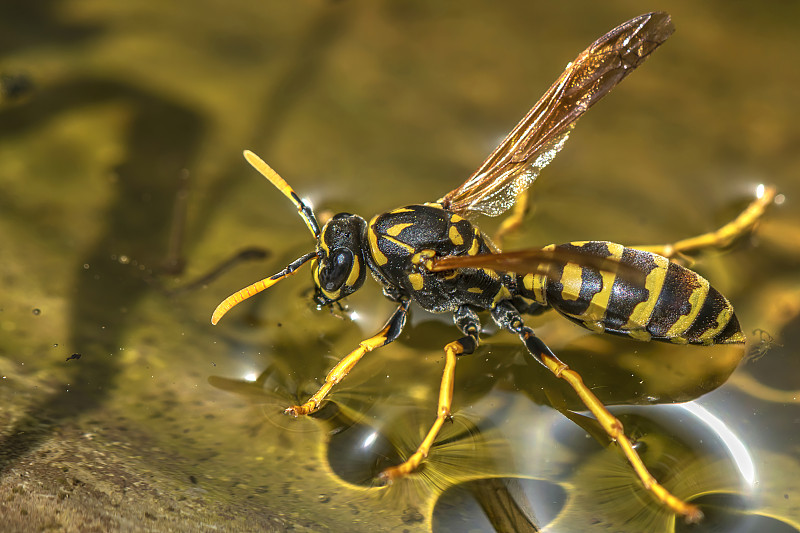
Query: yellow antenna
{"points": [[243, 294], [303, 208]]}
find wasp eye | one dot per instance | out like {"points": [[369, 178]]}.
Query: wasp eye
{"points": [[334, 272]]}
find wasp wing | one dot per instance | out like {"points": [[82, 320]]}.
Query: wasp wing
{"points": [[533, 143], [547, 261]]}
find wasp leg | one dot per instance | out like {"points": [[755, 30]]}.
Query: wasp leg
{"points": [[611, 425], [467, 321], [507, 317], [389, 333], [513, 221], [723, 236], [528, 307]]}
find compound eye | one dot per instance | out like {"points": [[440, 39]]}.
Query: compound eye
{"points": [[335, 272]]}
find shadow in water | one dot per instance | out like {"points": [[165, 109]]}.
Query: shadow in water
{"points": [[163, 139]]}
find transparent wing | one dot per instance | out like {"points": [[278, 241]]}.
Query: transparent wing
{"points": [[545, 261], [533, 143]]}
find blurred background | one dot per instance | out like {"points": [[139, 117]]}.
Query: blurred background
{"points": [[121, 132]]}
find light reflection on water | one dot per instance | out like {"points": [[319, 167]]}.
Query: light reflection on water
{"points": [[736, 448], [699, 457]]}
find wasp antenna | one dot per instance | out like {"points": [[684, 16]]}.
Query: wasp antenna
{"points": [[303, 208], [241, 295]]}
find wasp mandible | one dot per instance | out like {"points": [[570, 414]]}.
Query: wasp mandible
{"points": [[432, 255]]}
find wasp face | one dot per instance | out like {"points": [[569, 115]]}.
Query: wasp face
{"points": [[339, 268]]}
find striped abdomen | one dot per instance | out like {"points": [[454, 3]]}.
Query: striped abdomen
{"points": [[667, 302]]}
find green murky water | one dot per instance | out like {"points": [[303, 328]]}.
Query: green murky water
{"points": [[122, 182]]}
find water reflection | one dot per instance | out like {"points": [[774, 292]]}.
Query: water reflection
{"points": [[736, 448], [691, 456], [379, 414], [547, 455], [128, 96], [499, 504]]}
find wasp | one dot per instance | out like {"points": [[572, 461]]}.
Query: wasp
{"points": [[432, 255]]}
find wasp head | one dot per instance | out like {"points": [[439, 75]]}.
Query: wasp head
{"points": [[339, 268]]}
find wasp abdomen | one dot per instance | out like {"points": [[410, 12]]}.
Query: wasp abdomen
{"points": [[662, 301]]}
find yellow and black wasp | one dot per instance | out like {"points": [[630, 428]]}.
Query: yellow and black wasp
{"points": [[430, 254]]}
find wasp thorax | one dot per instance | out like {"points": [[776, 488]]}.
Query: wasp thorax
{"points": [[339, 269]]}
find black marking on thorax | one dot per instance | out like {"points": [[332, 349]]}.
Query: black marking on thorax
{"points": [[397, 236]]}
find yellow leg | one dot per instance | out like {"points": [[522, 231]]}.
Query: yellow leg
{"points": [[722, 237], [612, 426], [451, 351], [513, 221], [389, 333]]}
